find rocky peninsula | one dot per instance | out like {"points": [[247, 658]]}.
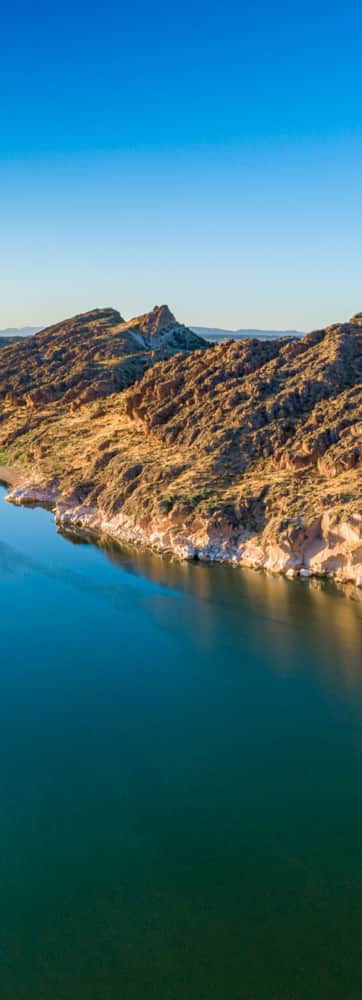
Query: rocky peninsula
{"points": [[247, 451]]}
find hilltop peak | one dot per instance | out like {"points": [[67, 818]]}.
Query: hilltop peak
{"points": [[163, 312], [105, 315], [159, 318], [160, 331], [95, 319]]}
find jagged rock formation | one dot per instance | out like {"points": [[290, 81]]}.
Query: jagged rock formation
{"points": [[249, 451]]}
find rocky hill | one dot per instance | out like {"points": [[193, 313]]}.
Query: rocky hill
{"points": [[248, 451], [89, 356]]}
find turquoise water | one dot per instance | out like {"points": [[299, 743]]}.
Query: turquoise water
{"points": [[180, 778]]}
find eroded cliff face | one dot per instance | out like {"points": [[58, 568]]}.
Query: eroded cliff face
{"points": [[247, 451]]}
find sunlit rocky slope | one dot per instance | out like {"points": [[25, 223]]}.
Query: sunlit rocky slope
{"points": [[248, 451]]}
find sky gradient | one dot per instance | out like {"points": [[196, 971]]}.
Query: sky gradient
{"points": [[208, 156]]}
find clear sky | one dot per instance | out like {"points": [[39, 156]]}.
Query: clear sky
{"points": [[205, 155]]}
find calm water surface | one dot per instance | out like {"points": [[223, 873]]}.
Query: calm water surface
{"points": [[180, 778]]}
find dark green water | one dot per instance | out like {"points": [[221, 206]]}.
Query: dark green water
{"points": [[180, 778]]}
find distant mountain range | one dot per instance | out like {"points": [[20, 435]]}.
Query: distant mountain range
{"points": [[216, 335]]}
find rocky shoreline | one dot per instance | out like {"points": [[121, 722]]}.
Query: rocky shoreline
{"points": [[323, 550]]}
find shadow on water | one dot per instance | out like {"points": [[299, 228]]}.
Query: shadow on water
{"points": [[326, 617]]}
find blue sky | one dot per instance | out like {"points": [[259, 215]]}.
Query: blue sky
{"points": [[208, 156]]}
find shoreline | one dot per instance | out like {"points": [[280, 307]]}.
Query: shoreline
{"points": [[318, 558]]}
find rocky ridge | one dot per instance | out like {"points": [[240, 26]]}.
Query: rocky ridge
{"points": [[247, 451]]}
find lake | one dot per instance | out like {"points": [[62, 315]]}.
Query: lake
{"points": [[180, 777]]}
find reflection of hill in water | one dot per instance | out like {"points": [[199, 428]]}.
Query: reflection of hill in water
{"points": [[325, 620]]}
